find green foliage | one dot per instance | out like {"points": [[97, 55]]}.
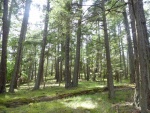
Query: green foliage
{"points": [[10, 68]]}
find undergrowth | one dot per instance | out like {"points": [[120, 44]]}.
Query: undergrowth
{"points": [[91, 103]]}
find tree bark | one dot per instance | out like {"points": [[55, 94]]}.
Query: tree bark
{"points": [[122, 73], [20, 45], [68, 83], [143, 53], [35, 63], [87, 62], [61, 63], [136, 59], [130, 48], [57, 64], [3, 65], [41, 62], [77, 59], [109, 67]]}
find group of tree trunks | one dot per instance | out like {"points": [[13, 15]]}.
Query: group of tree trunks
{"points": [[138, 52]]}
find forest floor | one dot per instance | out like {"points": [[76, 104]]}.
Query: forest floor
{"points": [[89, 97]]}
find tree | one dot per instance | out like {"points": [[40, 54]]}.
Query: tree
{"points": [[3, 65], [130, 48], [77, 59], [68, 83], [20, 45], [57, 63], [143, 53], [109, 67], [41, 62], [136, 64]]}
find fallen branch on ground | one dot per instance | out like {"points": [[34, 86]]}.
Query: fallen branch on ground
{"points": [[23, 101]]}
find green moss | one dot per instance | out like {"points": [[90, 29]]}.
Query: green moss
{"points": [[87, 103]]}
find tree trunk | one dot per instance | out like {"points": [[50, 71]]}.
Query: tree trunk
{"points": [[123, 56], [10, 14], [77, 59], [61, 63], [87, 71], [47, 64], [41, 62], [68, 83], [52, 66], [20, 45], [87, 63], [3, 65], [143, 52], [119, 46], [35, 63], [57, 64], [136, 59], [109, 67], [130, 48]]}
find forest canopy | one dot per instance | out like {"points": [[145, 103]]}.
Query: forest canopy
{"points": [[70, 41]]}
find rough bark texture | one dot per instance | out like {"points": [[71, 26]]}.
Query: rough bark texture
{"points": [[3, 65], [136, 60], [109, 67], [20, 45], [130, 49], [143, 53], [77, 59], [41, 62], [68, 83]]}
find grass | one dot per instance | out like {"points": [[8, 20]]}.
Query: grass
{"points": [[94, 103], [50, 90]]}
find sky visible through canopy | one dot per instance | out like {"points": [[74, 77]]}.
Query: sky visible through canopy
{"points": [[36, 14]]}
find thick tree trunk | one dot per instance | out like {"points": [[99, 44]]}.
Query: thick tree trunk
{"points": [[20, 45], [130, 49], [136, 59], [77, 59], [3, 65], [68, 83], [67, 69], [109, 67], [41, 62], [143, 53]]}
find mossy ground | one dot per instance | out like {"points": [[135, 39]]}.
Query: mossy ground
{"points": [[88, 103]]}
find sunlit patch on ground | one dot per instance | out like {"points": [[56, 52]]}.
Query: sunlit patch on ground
{"points": [[89, 104], [86, 103], [97, 102]]}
